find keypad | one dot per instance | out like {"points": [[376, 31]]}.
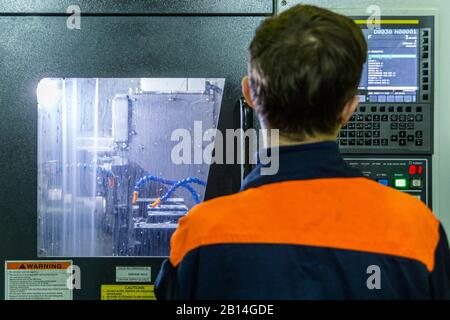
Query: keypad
{"points": [[384, 126]]}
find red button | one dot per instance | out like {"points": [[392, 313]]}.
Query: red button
{"points": [[413, 169], [420, 170]]}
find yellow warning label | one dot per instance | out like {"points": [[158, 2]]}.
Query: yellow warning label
{"points": [[127, 292]]}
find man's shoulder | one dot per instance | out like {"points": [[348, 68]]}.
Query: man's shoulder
{"points": [[391, 200], [353, 214], [223, 211], [214, 221], [347, 194]]}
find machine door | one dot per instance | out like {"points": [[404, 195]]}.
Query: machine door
{"points": [[86, 119]]}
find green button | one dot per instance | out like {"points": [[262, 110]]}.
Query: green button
{"points": [[400, 183]]}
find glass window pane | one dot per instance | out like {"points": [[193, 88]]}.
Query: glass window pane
{"points": [[113, 180]]}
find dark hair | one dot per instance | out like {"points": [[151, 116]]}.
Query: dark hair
{"points": [[305, 65]]}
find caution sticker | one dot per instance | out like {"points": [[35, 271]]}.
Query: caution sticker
{"points": [[38, 280], [127, 292]]}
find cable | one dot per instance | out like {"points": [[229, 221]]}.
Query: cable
{"points": [[174, 185], [182, 183]]}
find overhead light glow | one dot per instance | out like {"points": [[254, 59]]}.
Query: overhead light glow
{"points": [[48, 91]]}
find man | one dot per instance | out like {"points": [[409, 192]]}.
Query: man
{"points": [[317, 229]]}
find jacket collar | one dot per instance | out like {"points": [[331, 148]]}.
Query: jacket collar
{"points": [[303, 162]]}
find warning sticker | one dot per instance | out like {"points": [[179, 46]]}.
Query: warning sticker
{"points": [[133, 274], [127, 292], [37, 280]]}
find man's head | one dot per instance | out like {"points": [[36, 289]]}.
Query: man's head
{"points": [[305, 67]]}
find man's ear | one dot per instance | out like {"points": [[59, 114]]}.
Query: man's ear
{"points": [[349, 109], [246, 91]]}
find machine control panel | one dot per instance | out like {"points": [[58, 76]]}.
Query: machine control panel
{"points": [[402, 128], [396, 91], [407, 175]]}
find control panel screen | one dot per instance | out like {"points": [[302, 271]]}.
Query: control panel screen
{"points": [[391, 72]]}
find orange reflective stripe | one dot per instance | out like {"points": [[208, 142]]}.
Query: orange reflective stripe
{"points": [[350, 214]]}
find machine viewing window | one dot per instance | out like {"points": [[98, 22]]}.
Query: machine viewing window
{"points": [[391, 72], [107, 182]]}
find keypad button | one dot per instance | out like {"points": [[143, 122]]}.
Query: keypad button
{"points": [[399, 109], [353, 118], [402, 142], [411, 118], [394, 126], [384, 118], [368, 134], [394, 138], [376, 142], [376, 134], [384, 142], [402, 134], [382, 109], [402, 118], [360, 142], [391, 109], [419, 118], [344, 134], [419, 142], [368, 117], [368, 142], [394, 117], [376, 117], [360, 126], [410, 138], [408, 109], [419, 134], [343, 142], [352, 134], [402, 126], [351, 142], [351, 126], [368, 126], [362, 109], [360, 134], [419, 109], [359, 117], [376, 126], [373, 109]]}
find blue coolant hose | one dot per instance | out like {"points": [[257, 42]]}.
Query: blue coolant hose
{"points": [[185, 183]]}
